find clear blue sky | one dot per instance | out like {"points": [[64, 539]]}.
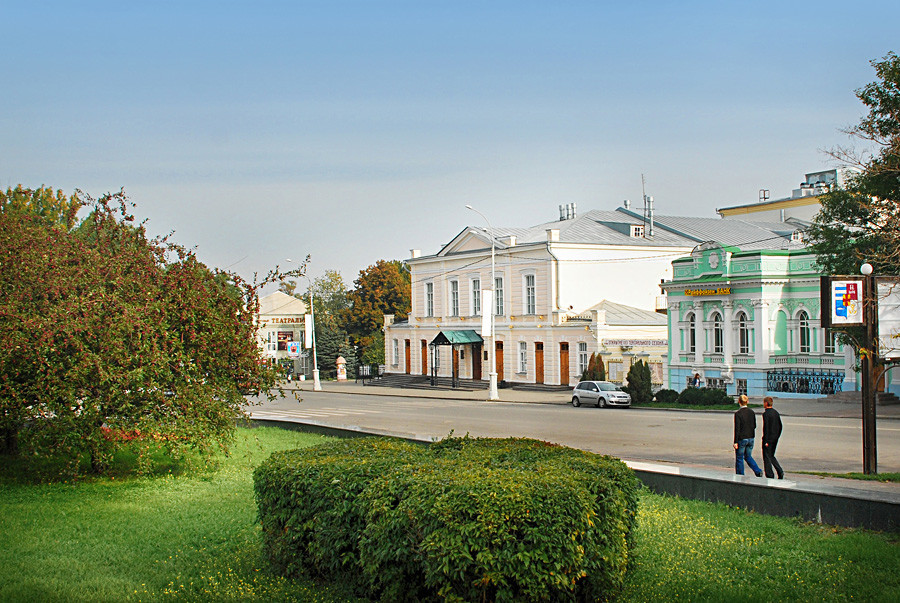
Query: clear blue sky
{"points": [[354, 131]]}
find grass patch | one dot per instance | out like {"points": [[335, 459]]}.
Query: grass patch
{"points": [[699, 551], [878, 477], [193, 537], [196, 537]]}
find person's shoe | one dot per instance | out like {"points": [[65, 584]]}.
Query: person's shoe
{"points": [[781, 476], [759, 474]]}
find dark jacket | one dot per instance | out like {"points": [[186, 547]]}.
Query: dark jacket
{"points": [[771, 425], [744, 424]]}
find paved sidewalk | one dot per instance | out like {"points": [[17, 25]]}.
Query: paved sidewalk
{"points": [[789, 407]]}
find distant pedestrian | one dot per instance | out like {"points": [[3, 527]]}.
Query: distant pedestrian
{"points": [[744, 434], [695, 382], [771, 433]]}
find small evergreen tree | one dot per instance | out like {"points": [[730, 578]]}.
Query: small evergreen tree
{"points": [[595, 370], [639, 383]]}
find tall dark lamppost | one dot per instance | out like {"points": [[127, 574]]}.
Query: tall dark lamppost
{"points": [[868, 362]]}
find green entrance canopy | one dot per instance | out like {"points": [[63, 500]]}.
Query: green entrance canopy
{"points": [[457, 337]]}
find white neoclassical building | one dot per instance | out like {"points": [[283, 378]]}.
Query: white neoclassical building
{"points": [[561, 291]]}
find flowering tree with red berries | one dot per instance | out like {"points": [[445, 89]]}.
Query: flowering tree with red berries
{"points": [[108, 338]]}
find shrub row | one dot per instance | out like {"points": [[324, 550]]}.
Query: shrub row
{"points": [[696, 396], [464, 519]]}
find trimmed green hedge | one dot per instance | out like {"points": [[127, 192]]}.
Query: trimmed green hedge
{"points": [[704, 396], [463, 519], [666, 396]]}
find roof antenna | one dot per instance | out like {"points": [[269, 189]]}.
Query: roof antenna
{"points": [[648, 209]]}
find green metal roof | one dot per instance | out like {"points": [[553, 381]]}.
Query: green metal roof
{"points": [[457, 337]]}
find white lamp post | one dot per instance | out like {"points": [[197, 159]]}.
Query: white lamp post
{"points": [[317, 385], [492, 363]]}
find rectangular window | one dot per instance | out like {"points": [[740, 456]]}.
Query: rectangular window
{"points": [[395, 352], [429, 299], [831, 343], [498, 296], [530, 301], [741, 386], [582, 358], [454, 298], [476, 297], [523, 357], [436, 358]]}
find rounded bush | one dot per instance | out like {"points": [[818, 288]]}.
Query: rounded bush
{"points": [[704, 396], [666, 396], [463, 519]]}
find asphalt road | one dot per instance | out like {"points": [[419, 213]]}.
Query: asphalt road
{"points": [[694, 438]]}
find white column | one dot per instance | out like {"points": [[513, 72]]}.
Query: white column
{"points": [[727, 332], [761, 325]]}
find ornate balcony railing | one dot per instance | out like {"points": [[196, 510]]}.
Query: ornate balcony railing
{"points": [[804, 381]]}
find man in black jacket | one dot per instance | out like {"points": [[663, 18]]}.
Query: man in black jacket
{"points": [[771, 433], [744, 434]]}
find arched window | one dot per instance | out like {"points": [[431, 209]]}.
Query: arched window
{"points": [[803, 320], [743, 334], [692, 334], [718, 339]]}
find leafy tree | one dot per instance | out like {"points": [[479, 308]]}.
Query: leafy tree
{"points": [[109, 339], [382, 288], [330, 297], [288, 286], [859, 223], [639, 385], [54, 208]]}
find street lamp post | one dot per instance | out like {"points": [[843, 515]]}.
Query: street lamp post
{"points": [[492, 362], [868, 362], [317, 385]]}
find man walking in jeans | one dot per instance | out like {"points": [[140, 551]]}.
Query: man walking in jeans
{"points": [[744, 433]]}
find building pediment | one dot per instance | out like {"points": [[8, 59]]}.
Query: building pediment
{"points": [[470, 239]]}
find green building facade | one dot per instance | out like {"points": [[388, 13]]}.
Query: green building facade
{"points": [[748, 322]]}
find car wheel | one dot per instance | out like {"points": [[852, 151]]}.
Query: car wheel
{"points": [[576, 402], [601, 403]]}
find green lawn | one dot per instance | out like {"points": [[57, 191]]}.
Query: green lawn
{"points": [[195, 537]]}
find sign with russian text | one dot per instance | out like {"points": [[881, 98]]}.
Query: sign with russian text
{"points": [[715, 291], [293, 349], [846, 302]]}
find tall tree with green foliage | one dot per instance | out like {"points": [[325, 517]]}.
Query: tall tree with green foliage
{"points": [[107, 337], [382, 288], [858, 223], [639, 385]]}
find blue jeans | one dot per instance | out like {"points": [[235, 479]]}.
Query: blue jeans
{"points": [[745, 447]]}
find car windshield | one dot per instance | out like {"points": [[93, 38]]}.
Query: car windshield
{"points": [[608, 387]]}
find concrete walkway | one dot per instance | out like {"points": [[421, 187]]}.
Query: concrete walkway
{"points": [[789, 407]]}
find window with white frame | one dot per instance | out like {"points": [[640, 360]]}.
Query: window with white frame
{"points": [[523, 357], [498, 296], [718, 334], [637, 231], [476, 297], [395, 348], [743, 334], [582, 357], [530, 295], [692, 334], [804, 332], [429, 299], [436, 358], [831, 343], [454, 298]]}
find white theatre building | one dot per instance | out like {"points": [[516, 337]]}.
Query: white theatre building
{"points": [[561, 291]]}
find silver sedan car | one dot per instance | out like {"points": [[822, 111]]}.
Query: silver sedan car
{"points": [[599, 393]]}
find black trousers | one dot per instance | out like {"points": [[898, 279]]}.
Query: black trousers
{"points": [[770, 461]]}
